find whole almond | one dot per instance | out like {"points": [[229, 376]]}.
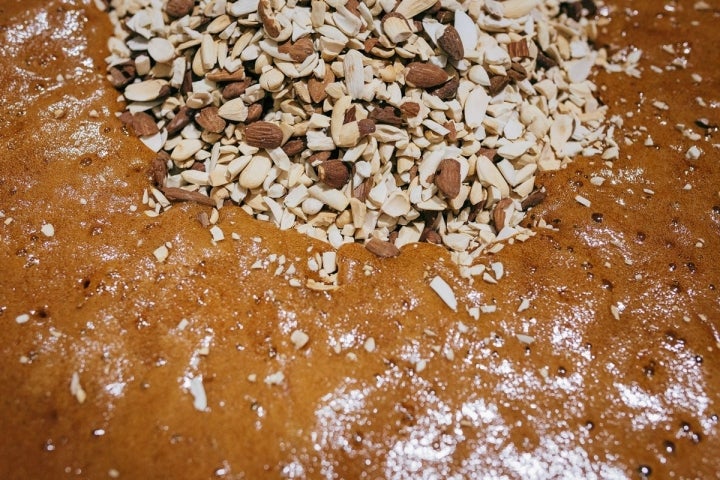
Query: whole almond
{"points": [[209, 119], [179, 8], [425, 75], [447, 177], [333, 173], [452, 44], [382, 248], [263, 135]]}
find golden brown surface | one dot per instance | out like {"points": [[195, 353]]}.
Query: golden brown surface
{"points": [[618, 397]]}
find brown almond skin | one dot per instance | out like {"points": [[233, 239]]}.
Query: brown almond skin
{"points": [[350, 115], [370, 43], [317, 87], [158, 168], [182, 118], [518, 49], [333, 173], [431, 236], [293, 147], [366, 126], [382, 248], [448, 90], [272, 28], [178, 194], [535, 198], [425, 75], [209, 119], [263, 135], [144, 124], [410, 109], [121, 75], [451, 43], [445, 16], [499, 213], [362, 191], [447, 178], [450, 125], [255, 111], [386, 115], [498, 84], [319, 157], [235, 89], [225, 76], [179, 8], [299, 50]]}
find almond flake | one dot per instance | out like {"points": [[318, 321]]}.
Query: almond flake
{"points": [[446, 293]]}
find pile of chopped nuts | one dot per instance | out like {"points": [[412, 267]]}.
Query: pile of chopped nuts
{"points": [[387, 122]]}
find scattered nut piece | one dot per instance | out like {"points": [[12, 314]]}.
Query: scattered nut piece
{"points": [[382, 248]]}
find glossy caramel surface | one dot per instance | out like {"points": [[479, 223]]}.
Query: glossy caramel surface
{"points": [[593, 396]]}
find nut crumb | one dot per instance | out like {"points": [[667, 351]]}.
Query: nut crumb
{"points": [[48, 230]]}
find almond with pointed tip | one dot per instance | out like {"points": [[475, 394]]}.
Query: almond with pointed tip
{"points": [[333, 173], [425, 75], [447, 178], [263, 135], [451, 43]]}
